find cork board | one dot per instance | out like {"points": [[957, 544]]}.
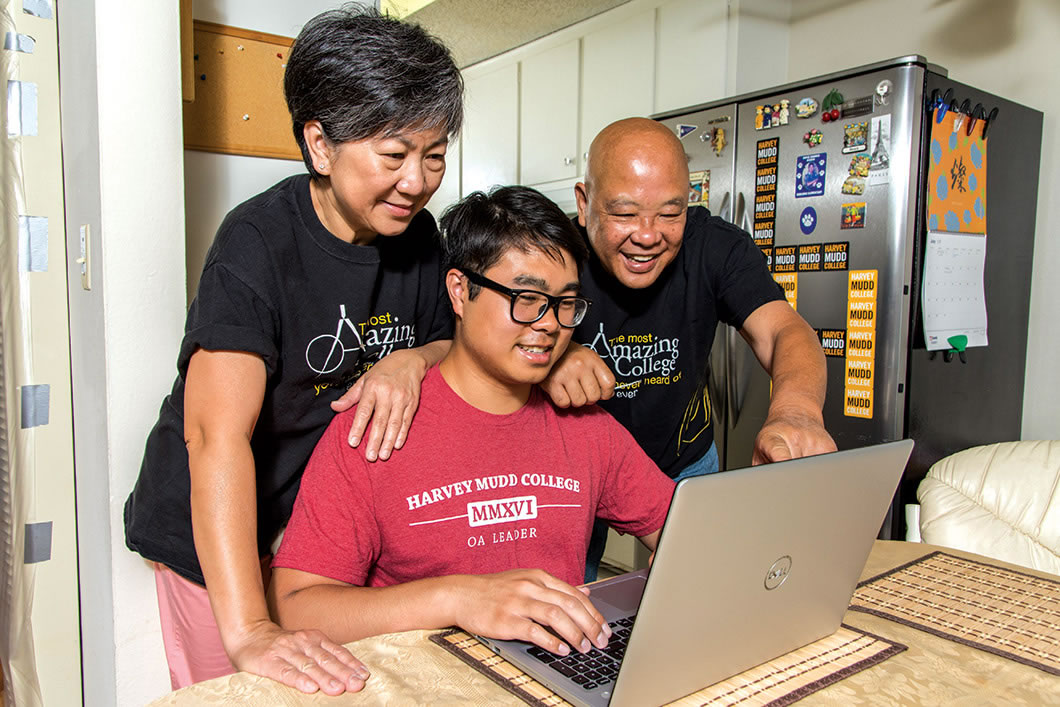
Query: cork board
{"points": [[238, 105], [187, 52]]}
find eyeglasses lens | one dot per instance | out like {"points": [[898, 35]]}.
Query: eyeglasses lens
{"points": [[529, 307]]}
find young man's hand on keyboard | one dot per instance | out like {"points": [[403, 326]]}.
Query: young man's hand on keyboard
{"points": [[529, 605]]}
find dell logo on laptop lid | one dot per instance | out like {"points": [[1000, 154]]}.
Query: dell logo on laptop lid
{"points": [[778, 572]]}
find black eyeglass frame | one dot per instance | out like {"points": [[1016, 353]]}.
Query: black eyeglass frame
{"points": [[513, 294]]}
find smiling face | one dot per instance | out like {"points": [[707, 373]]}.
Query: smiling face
{"points": [[374, 186], [634, 200], [494, 357]]}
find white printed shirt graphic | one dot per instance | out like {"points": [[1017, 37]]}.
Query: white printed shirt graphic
{"points": [[635, 357], [498, 510], [371, 339]]}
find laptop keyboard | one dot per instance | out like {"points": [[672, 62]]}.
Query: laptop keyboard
{"points": [[595, 668]]}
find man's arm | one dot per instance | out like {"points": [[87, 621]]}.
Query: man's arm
{"points": [[788, 350], [580, 377], [512, 605], [651, 540]]}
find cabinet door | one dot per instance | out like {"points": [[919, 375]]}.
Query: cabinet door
{"points": [[691, 62], [618, 70], [491, 130], [549, 136]]}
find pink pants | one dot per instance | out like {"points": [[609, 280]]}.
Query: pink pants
{"points": [[193, 643]]}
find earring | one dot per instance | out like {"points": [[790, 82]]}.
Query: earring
{"points": [[321, 166]]}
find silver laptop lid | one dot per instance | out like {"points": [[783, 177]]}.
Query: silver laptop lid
{"points": [[754, 563]]}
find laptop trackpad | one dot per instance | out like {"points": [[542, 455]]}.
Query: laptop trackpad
{"points": [[618, 597]]}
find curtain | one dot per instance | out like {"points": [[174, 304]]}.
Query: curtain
{"points": [[21, 685]]}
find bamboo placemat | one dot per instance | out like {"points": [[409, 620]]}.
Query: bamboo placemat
{"points": [[779, 682], [1005, 612]]}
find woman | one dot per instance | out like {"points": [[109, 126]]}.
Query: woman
{"points": [[325, 280]]}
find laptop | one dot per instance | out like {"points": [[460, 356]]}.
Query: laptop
{"points": [[751, 564]]}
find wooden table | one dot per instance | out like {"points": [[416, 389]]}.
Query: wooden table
{"points": [[408, 669]]}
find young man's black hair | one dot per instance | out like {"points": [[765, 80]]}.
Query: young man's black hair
{"points": [[478, 230]]}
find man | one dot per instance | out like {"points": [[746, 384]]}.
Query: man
{"points": [[661, 276], [483, 519]]}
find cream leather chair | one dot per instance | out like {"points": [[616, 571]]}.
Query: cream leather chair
{"points": [[1000, 500]]}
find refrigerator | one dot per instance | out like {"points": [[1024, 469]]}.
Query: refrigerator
{"points": [[830, 176]]}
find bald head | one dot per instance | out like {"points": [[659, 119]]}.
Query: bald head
{"points": [[634, 199], [635, 144]]}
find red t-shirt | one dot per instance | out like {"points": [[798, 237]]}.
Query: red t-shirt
{"points": [[471, 493]]}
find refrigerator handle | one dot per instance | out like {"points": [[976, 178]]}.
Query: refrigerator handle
{"points": [[732, 384], [716, 381], [732, 404], [745, 218], [725, 212]]}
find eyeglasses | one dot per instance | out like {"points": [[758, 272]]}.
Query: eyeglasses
{"points": [[528, 306]]}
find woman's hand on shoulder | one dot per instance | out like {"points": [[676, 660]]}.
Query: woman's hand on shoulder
{"points": [[305, 660], [388, 394]]}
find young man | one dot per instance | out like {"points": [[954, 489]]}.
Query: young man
{"points": [[484, 517]]}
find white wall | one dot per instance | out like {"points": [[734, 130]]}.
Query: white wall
{"points": [[694, 60], [122, 148], [142, 229], [213, 184], [1008, 48], [758, 33]]}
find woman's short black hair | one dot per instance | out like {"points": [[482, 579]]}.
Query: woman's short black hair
{"points": [[362, 74], [479, 229]]}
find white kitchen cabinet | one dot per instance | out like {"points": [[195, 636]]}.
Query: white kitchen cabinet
{"points": [[534, 111], [692, 60], [490, 138], [618, 73], [548, 138]]}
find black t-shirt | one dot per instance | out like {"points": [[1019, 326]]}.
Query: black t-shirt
{"points": [[657, 340], [319, 312]]}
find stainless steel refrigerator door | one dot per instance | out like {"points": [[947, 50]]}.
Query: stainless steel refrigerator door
{"points": [[713, 152], [708, 151], [884, 243]]}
